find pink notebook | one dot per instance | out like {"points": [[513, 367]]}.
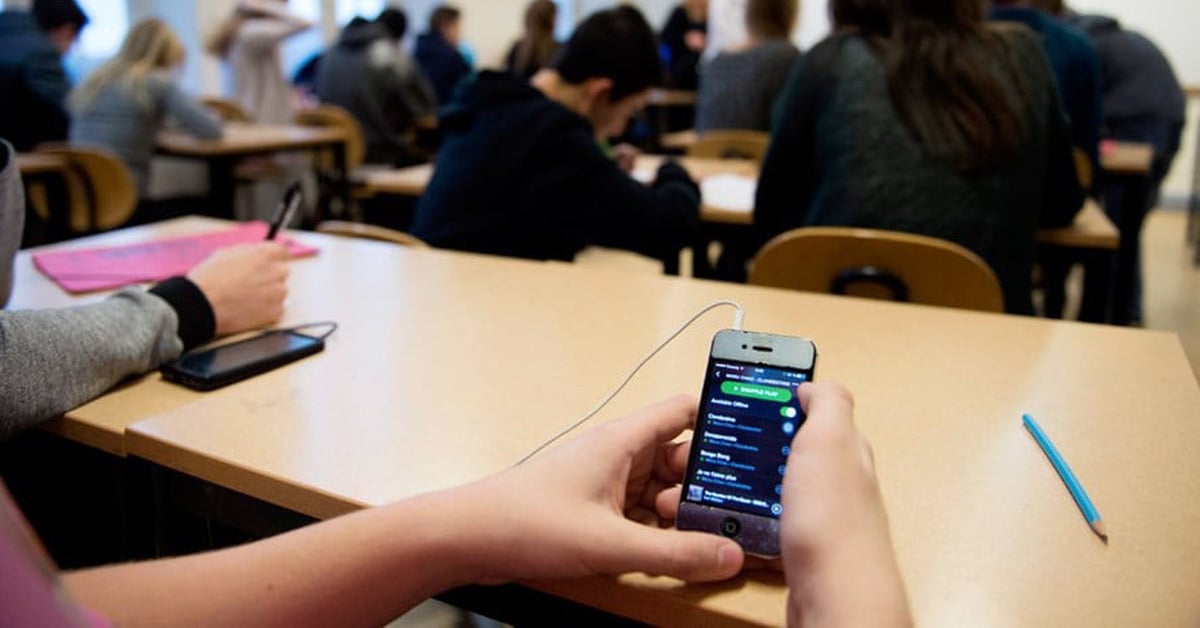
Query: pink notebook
{"points": [[106, 268]]}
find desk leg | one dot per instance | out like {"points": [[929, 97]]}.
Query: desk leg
{"points": [[341, 182], [222, 188], [1127, 203], [1096, 306]]}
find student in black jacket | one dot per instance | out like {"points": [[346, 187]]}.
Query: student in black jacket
{"points": [[521, 170]]}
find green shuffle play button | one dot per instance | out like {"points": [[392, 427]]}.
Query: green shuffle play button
{"points": [[757, 391]]}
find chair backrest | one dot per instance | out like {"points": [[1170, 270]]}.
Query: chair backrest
{"points": [[878, 264], [227, 110], [100, 189], [338, 118], [731, 144], [1083, 168], [370, 232]]}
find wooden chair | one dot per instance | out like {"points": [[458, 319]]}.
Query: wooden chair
{"points": [[878, 264], [370, 232], [101, 193], [336, 117], [1083, 169], [227, 110], [731, 144]]}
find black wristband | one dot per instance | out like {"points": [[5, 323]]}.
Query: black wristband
{"points": [[197, 322]]}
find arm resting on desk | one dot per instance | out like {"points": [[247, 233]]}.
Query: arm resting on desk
{"points": [[590, 506], [55, 360], [601, 503]]}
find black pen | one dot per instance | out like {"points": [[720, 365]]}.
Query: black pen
{"points": [[287, 208]]}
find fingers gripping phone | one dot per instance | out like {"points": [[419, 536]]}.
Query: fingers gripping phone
{"points": [[748, 414]]}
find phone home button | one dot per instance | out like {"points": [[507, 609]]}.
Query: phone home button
{"points": [[730, 527]]}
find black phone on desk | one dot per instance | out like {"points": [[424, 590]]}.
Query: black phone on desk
{"points": [[748, 414], [209, 369]]}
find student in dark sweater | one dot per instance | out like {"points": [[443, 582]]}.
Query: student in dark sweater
{"points": [[33, 83], [683, 40], [437, 52], [740, 86], [1076, 66], [521, 171], [969, 147]]}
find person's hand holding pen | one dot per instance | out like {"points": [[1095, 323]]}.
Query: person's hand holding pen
{"points": [[245, 284]]}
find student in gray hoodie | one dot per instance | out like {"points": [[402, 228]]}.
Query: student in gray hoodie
{"points": [[368, 74], [54, 360]]}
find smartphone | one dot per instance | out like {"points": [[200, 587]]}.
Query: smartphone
{"points": [[210, 369], [747, 417]]}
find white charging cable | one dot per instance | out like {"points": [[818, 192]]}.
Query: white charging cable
{"points": [[737, 326]]}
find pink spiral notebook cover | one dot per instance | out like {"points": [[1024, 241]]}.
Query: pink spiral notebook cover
{"points": [[106, 268]]}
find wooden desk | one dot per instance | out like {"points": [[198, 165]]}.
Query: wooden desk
{"points": [[413, 180], [40, 164], [1126, 158], [671, 98], [449, 367], [242, 140], [1092, 230]]}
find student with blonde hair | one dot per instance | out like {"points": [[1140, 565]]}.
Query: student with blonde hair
{"points": [[126, 102]]}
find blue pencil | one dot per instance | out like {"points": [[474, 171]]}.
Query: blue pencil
{"points": [[1081, 497]]}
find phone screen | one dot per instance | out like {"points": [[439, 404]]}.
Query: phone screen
{"points": [[241, 354], [748, 415]]}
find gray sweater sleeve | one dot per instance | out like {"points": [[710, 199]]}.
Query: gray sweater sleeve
{"points": [[190, 115], [12, 217], [54, 360]]}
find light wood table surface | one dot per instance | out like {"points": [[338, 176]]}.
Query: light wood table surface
{"points": [[449, 367], [1092, 228], [40, 163], [671, 98], [249, 139], [1126, 158]]}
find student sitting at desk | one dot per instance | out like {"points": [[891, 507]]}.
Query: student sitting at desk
{"points": [[33, 83], [740, 85], [438, 55], [537, 46], [953, 130], [591, 506], [54, 360], [521, 172], [368, 74], [126, 102], [248, 42]]}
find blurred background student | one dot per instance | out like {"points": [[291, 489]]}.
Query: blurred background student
{"points": [[33, 83], [739, 87], [124, 104], [370, 76], [953, 130], [1142, 102], [248, 42], [537, 46], [684, 39], [438, 55]]}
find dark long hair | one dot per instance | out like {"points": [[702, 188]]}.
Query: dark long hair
{"points": [[538, 44], [942, 68]]}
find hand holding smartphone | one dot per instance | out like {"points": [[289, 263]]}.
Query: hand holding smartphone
{"points": [[748, 414]]}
